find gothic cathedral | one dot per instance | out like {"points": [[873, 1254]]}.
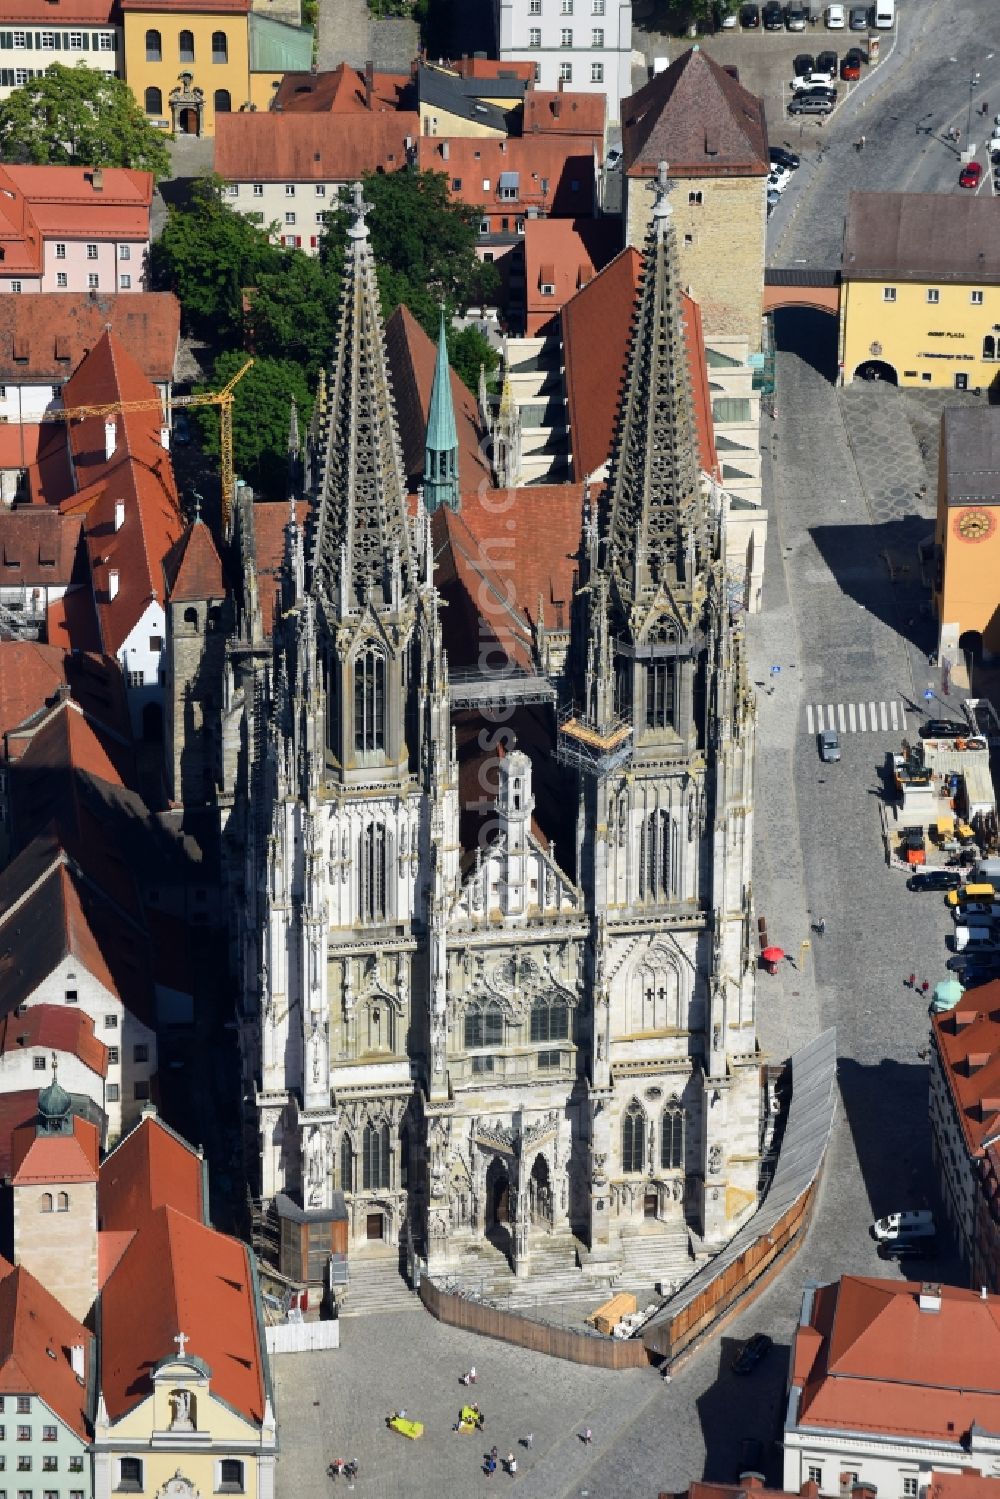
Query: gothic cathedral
{"points": [[456, 1029]]}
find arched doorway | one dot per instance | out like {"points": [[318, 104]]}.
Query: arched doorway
{"points": [[540, 1193], [876, 369], [497, 1196], [152, 723]]}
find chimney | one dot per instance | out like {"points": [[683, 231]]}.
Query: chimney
{"points": [[165, 438], [810, 1489], [77, 1362], [561, 85], [930, 1296], [119, 514], [113, 583], [445, 150], [984, 1294], [369, 83], [97, 179], [110, 437]]}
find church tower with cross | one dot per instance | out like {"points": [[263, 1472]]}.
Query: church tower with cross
{"points": [[498, 977]]}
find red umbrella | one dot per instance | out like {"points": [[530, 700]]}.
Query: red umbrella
{"points": [[773, 954]]}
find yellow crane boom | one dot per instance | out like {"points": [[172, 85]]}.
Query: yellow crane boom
{"points": [[222, 398]]}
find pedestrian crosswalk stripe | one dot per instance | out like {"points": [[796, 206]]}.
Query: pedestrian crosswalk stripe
{"points": [[857, 718]]}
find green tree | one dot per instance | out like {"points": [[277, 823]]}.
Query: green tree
{"points": [[467, 351], [208, 255], [79, 117], [262, 404], [292, 311], [424, 244]]}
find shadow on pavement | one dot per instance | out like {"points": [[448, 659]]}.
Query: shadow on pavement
{"points": [[886, 1109], [811, 335], [738, 1408], [878, 565]]}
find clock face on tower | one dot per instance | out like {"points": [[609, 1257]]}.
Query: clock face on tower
{"points": [[975, 525]]}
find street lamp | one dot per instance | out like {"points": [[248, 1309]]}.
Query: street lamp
{"points": [[973, 83]]}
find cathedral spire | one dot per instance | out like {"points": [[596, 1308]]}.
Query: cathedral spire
{"points": [[361, 521], [441, 443], [657, 520]]}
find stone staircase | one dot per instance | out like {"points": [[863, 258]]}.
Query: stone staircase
{"points": [[553, 1276], [376, 1284], [655, 1255]]}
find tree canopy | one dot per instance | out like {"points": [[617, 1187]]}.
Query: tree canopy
{"points": [[262, 404], [79, 117]]}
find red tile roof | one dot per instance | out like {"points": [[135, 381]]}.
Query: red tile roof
{"points": [[179, 1272], [492, 67], [967, 1039], [564, 254], [53, 333], [556, 113], [194, 7], [885, 1365], [270, 517], [697, 119], [411, 360], [546, 166], [62, 203], [71, 12], [968, 1484], [32, 676], [39, 1158], [38, 547], [339, 91], [139, 473], [15, 1109], [36, 1335], [150, 1169], [192, 569], [55, 1028], [266, 147], [71, 622], [596, 328]]}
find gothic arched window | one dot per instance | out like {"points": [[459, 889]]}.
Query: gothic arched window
{"points": [[672, 1137], [549, 1022], [660, 694], [483, 1027], [369, 701], [375, 1157], [372, 872], [633, 1138], [654, 856], [346, 1164]]}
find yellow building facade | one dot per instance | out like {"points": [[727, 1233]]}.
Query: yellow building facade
{"points": [[966, 583], [188, 62], [940, 336], [920, 290]]}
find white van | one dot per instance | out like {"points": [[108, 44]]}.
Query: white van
{"points": [[976, 938], [885, 14], [915, 1224]]}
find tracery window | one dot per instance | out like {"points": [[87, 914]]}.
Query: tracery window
{"points": [[672, 1137], [375, 1157], [372, 868], [633, 1138], [549, 1022], [369, 701], [483, 1026], [654, 856]]}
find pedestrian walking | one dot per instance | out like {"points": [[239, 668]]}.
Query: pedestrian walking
{"points": [[924, 987], [528, 1440], [512, 1466], [587, 1437], [912, 981], [820, 925]]}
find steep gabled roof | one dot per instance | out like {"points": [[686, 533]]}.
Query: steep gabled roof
{"points": [[36, 1336], [192, 568], [152, 1167], [38, 546], [270, 517], [33, 676], [55, 1028], [36, 1159], [340, 90], [697, 119], [311, 147]]}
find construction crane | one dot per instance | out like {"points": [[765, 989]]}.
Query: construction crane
{"points": [[222, 398]]}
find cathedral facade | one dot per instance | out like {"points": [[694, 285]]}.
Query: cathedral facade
{"points": [[458, 1026]]}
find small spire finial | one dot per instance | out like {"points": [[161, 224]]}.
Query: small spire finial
{"points": [[182, 1340], [359, 229], [197, 506], [661, 208]]}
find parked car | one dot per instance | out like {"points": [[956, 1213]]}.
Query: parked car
{"points": [[826, 62], [812, 104], [795, 17], [974, 890], [729, 20], [750, 1354], [912, 1223], [971, 174], [829, 746], [850, 67], [945, 728], [803, 65], [782, 158], [750, 17], [815, 79], [907, 1249], [773, 16], [835, 17], [935, 879], [858, 19]]}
